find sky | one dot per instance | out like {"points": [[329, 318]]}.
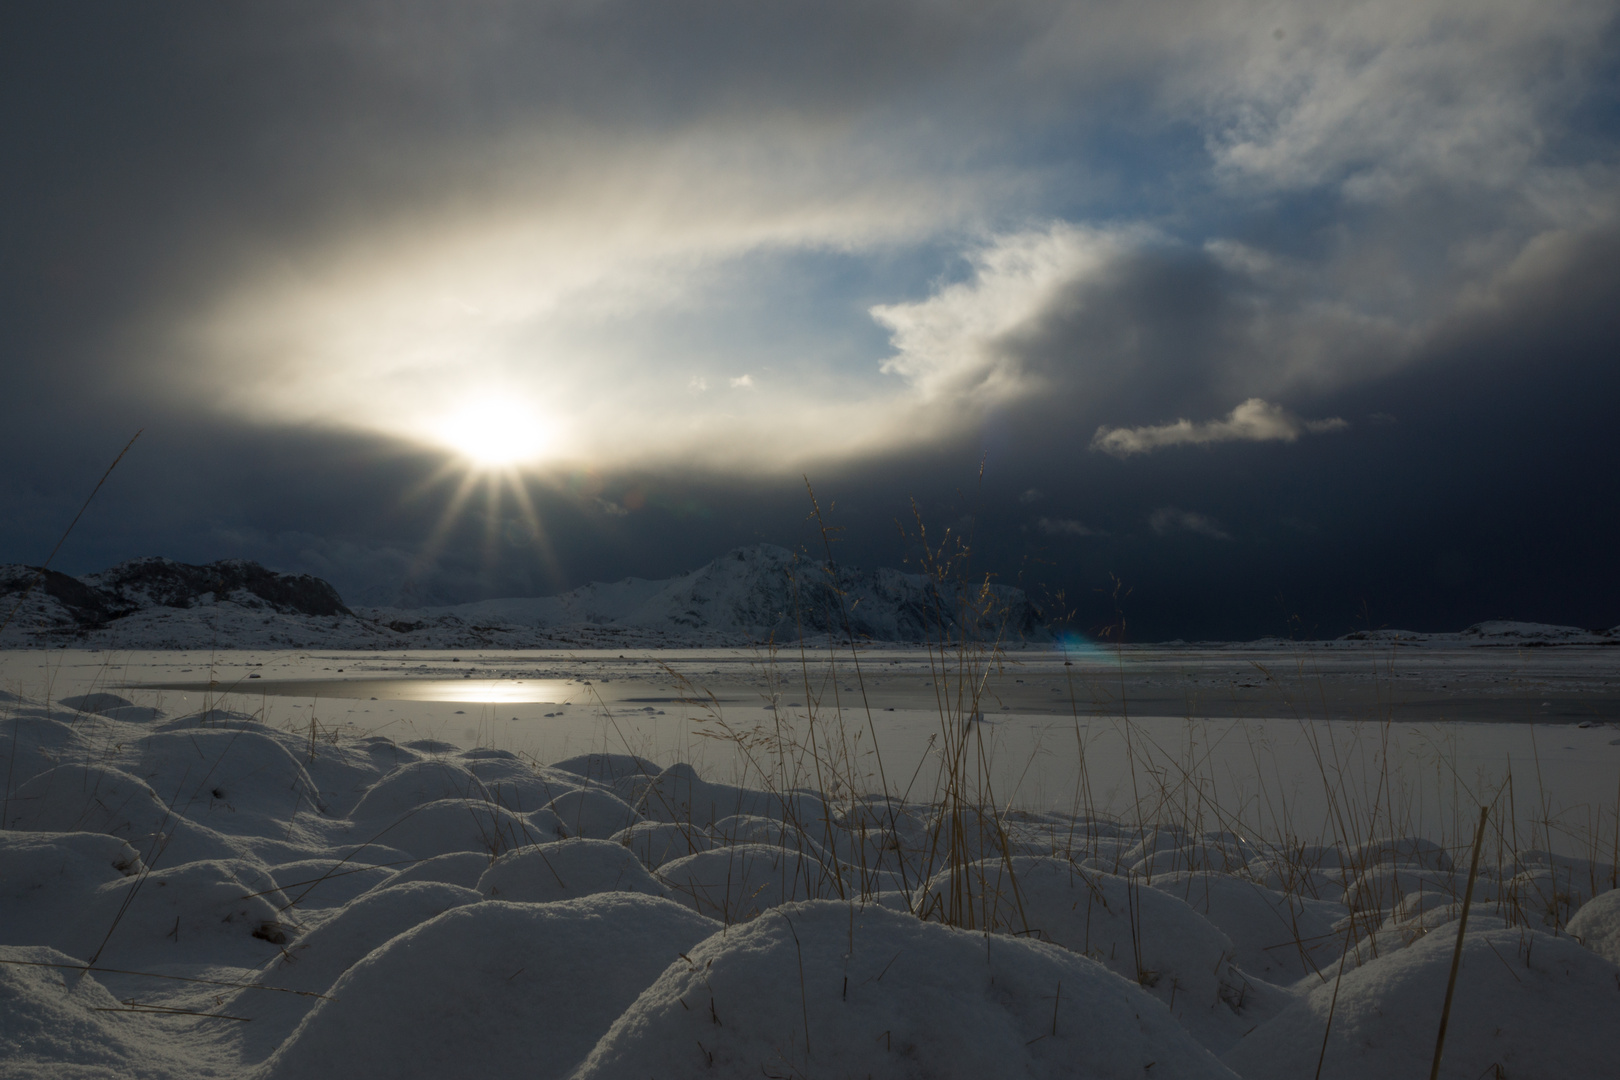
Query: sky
{"points": [[1210, 320]]}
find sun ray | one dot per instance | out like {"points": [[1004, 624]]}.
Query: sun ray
{"points": [[492, 517], [537, 530], [434, 544], [448, 471]]}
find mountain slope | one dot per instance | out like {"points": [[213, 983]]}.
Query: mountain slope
{"points": [[750, 595]]}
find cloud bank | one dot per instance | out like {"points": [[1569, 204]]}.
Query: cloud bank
{"points": [[1254, 420]]}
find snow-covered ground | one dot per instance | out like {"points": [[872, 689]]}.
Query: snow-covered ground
{"points": [[639, 877]]}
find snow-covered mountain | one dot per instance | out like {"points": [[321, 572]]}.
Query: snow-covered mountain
{"points": [[750, 595]]}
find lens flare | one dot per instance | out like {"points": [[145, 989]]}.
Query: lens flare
{"points": [[1077, 647]]}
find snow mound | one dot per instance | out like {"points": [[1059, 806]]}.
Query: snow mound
{"points": [[447, 825], [201, 912], [516, 784], [679, 794], [1141, 934], [826, 989], [51, 1014], [413, 784], [312, 884], [232, 781], [1597, 925], [592, 812], [736, 883], [365, 908], [1279, 937], [1514, 988], [608, 768], [490, 989], [87, 798], [658, 842], [462, 868], [48, 881], [317, 959], [566, 870], [112, 706]]}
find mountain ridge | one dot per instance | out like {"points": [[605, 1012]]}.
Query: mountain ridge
{"points": [[748, 596]]}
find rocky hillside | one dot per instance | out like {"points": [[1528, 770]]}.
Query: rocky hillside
{"points": [[56, 607]]}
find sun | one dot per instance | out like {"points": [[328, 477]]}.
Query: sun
{"points": [[494, 433]]}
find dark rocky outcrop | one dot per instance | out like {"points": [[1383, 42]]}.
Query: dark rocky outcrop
{"points": [[97, 599]]}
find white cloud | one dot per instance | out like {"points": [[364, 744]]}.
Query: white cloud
{"points": [[1253, 421], [952, 346], [1168, 519], [1374, 96], [743, 382], [1031, 496]]}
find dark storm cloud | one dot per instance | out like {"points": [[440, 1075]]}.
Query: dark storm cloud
{"points": [[283, 239], [1495, 495]]}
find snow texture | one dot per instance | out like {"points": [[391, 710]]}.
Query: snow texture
{"points": [[207, 896]]}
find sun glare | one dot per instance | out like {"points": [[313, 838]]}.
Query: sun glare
{"points": [[493, 433]]}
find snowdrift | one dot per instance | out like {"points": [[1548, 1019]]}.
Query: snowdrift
{"points": [[205, 896]]}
